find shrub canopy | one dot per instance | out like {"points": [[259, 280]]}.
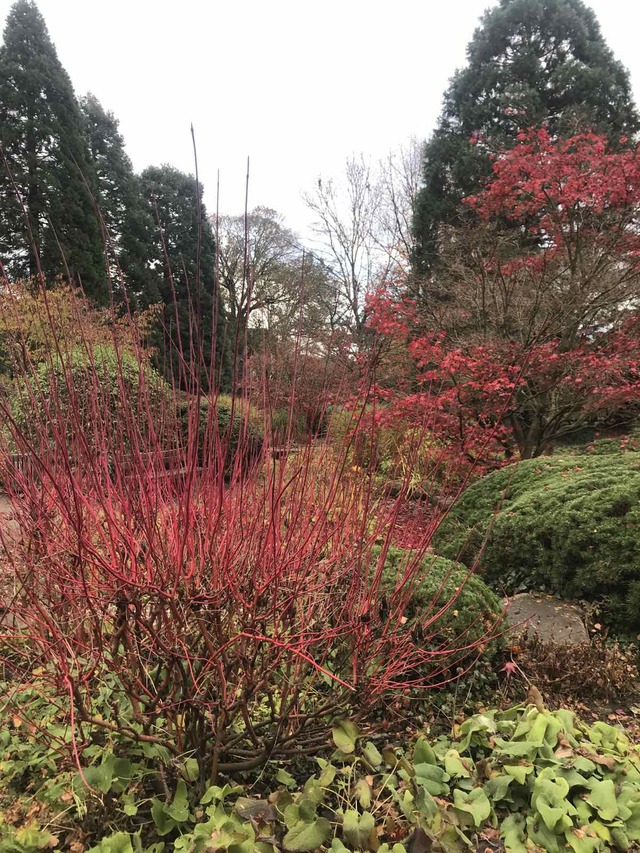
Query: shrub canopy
{"points": [[569, 525]]}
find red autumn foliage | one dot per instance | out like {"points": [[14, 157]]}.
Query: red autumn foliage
{"points": [[545, 331], [560, 186]]}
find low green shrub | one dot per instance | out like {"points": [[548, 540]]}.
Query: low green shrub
{"points": [[472, 609], [70, 392], [245, 433], [568, 525], [401, 455]]}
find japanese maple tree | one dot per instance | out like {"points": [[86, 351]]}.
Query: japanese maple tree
{"points": [[539, 336]]}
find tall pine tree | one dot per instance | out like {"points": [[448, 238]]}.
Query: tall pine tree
{"points": [[181, 252], [45, 173], [530, 61]]}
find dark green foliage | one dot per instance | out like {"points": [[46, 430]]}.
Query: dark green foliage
{"points": [[75, 390], [47, 163], [568, 525], [246, 433], [126, 218], [472, 610], [530, 61], [180, 247]]}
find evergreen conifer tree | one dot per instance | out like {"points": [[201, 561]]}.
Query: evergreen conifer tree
{"points": [[126, 218], [181, 252], [45, 173]]}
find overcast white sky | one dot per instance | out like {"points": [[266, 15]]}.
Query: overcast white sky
{"points": [[297, 85]]}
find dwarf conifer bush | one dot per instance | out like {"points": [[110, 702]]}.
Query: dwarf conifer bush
{"points": [[474, 606], [238, 424], [568, 525]]}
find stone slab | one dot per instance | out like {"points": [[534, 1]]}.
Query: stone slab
{"points": [[550, 618]]}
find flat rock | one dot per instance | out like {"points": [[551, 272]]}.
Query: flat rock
{"points": [[550, 618]]}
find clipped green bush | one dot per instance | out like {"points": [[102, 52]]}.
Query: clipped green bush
{"points": [[78, 386], [474, 611], [245, 433], [568, 525]]}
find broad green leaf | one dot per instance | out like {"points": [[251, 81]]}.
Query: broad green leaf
{"points": [[603, 798], [475, 803], [629, 801], [476, 730], [543, 837], [227, 835], [304, 810], [583, 841], [516, 748], [314, 789], [539, 729], [497, 788], [215, 793], [455, 766], [31, 838], [285, 778], [425, 804], [432, 778], [100, 776], [549, 798], [359, 829], [423, 752], [620, 838], [584, 812], [407, 803], [583, 765], [372, 754], [512, 833], [120, 842], [602, 831], [345, 735], [179, 808], [327, 776], [164, 822], [305, 836], [191, 769], [570, 775], [519, 772], [129, 805]]}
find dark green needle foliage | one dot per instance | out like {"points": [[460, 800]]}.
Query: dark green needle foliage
{"points": [[180, 250], [45, 163]]}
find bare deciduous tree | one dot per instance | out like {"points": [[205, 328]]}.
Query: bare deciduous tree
{"points": [[270, 281], [363, 221]]}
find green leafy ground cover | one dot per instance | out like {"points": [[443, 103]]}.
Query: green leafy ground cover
{"points": [[522, 779]]}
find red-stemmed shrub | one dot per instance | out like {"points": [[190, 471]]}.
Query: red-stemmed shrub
{"points": [[181, 597]]}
